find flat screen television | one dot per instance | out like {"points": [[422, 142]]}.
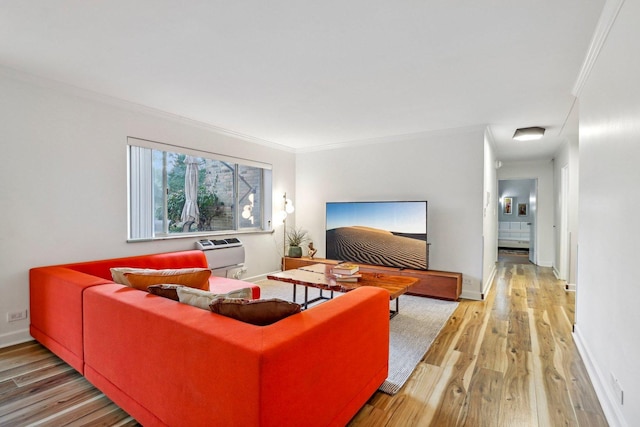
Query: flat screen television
{"points": [[391, 234]]}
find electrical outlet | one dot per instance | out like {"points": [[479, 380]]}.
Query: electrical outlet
{"points": [[14, 316], [617, 389], [466, 281]]}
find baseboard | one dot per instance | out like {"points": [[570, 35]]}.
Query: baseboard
{"points": [[489, 283], [474, 295], [571, 287], [607, 400], [259, 277], [16, 337], [556, 272]]}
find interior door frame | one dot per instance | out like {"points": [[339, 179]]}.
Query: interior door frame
{"points": [[533, 231], [562, 233], [533, 211]]}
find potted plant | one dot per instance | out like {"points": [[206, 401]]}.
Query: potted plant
{"points": [[295, 238]]}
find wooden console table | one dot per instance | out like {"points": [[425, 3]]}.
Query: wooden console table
{"points": [[431, 283]]}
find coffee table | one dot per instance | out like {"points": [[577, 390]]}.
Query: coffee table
{"points": [[319, 276]]}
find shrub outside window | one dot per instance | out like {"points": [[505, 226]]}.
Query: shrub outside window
{"points": [[175, 191]]}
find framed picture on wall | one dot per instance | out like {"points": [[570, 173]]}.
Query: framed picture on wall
{"points": [[522, 209], [508, 205]]}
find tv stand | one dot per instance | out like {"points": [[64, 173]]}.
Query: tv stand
{"points": [[431, 283]]}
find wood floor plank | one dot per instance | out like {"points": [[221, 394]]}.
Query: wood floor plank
{"points": [[41, 390], [472, 330], [493, 351], [7, 386], [501, 303], [6, 351], [447, 336], [97, 412], [418, 392], [33, 406], [518, 391], [552, 387], [482, 404], [19, 358], [32, 369], [453, 395], [518, 334], [43, 372]]}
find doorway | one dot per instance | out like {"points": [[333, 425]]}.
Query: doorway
{"points": [[517, 209]]}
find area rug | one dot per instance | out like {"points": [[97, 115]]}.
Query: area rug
{"points": [[412, 331]]}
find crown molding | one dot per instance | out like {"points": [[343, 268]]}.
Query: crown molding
{"points": [[72, 90], [491, 138], [393, 138], [607, 18]]}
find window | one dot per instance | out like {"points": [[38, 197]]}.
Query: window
{"points": [[175, 191]]}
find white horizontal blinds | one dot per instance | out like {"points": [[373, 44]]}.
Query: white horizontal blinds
{"points": [[197, 153], [140, 193]]}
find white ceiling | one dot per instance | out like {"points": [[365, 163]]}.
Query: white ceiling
{"points": [[306, 74]]}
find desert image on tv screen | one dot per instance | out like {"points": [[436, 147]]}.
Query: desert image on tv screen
{"points": [[392, 234]]}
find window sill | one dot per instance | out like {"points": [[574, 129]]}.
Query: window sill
{"points": [[200, 235]]}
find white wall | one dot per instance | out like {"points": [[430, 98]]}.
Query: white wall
{"points": [[445, 168], [63, 183], [567, 156], [490, 214], [607, 285], [543, 172]]}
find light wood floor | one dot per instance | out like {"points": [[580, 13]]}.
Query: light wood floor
{"points": [[507, 361]]}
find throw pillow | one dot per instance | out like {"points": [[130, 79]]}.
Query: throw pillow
{"points": [[143, 278], [118, 273], [202, 299], [165, 290], [259, 312]]}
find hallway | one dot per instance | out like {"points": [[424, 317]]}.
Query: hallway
{"points": [[507, 361]]}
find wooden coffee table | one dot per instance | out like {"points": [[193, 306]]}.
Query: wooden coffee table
{"points": [[319, 276]]}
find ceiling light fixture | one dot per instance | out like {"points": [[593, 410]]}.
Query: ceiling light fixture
{"points": [[528, 134]]}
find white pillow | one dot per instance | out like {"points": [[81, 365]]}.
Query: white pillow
{"points": [[202, 299]]}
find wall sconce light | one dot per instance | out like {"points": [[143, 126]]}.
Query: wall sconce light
{"points": [[528, 134]]}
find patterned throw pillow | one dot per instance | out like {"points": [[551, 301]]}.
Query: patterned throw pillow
{"points": [[259, 312], [202, 299], [142, 278]]}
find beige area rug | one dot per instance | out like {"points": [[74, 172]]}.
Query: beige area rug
{"points": [[412, 331]]}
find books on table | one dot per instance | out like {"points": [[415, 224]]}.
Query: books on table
{"points": [[346, 277], [346, 272], [345, 268]]}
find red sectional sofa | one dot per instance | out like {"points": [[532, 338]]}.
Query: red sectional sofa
{"points": [[171, 364]]}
